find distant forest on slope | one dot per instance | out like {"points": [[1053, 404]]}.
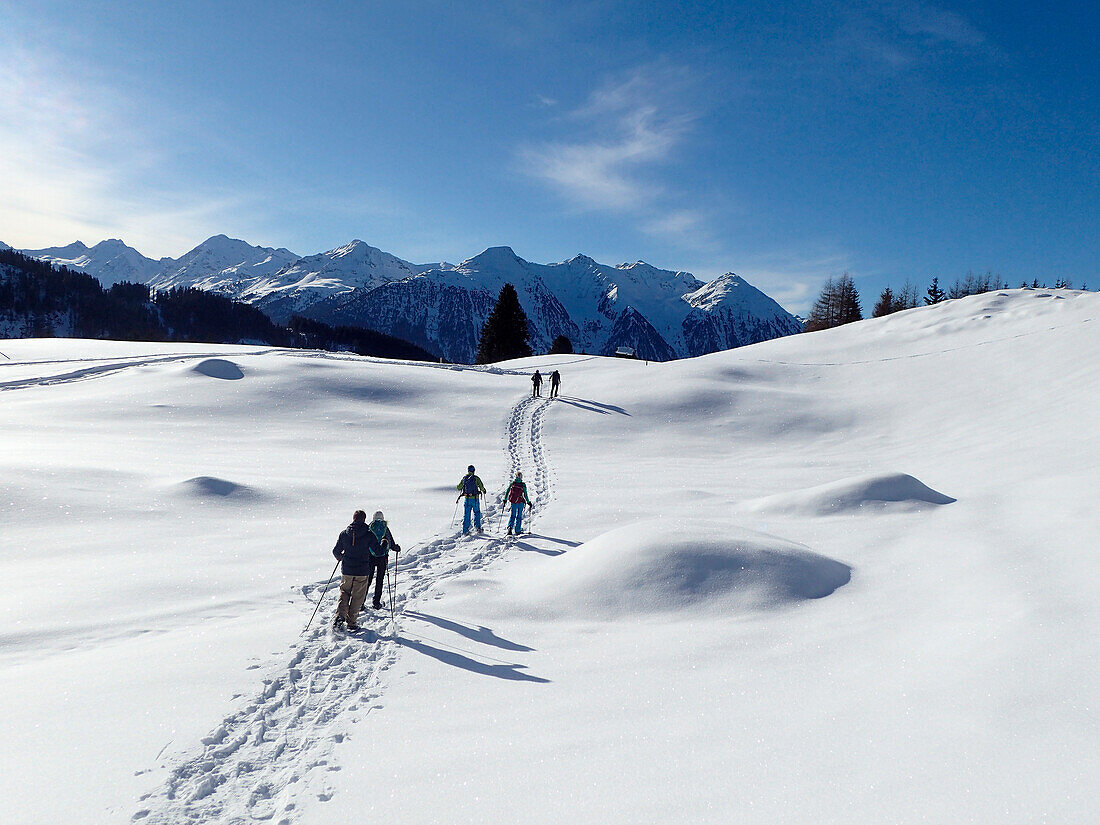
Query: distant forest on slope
{"points": [[38, 300]]}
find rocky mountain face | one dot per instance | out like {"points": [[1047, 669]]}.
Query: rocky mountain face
{"points": [[355, 267], [660, 314]]}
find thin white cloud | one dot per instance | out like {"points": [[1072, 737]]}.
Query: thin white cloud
{"points": [[938, 25], [76, 163], [625, 133], [892, 38], [81, 160]]}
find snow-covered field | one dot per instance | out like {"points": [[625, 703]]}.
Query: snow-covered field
{"points": [[845, 577]]}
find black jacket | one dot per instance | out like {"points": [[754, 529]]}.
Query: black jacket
{"points": [[354, 547]]}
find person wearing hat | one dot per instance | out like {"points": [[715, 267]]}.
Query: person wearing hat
{"points": [[517, 497], [353, 550], [536, 384], [472, 488], [379, 557]]}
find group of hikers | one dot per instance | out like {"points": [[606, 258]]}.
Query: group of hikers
{"points": [[536, 384], [363, 549], [472, 489]]}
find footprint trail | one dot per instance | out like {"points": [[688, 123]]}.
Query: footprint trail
{"points": [[262, 760]]}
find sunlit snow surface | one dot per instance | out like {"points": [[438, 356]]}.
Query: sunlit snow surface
{"points": [[842, 577]]}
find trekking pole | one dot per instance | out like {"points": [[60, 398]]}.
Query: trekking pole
{"points": [[503, 506], [318, 607], [393, 587], [455, 516]]}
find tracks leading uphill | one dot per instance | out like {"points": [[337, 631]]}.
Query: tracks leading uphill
{"points": [[262, 760]]}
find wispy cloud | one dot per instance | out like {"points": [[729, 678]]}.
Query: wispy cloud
{"points": [[76, 161], [621, 140], [891, 38], [84, 158]]}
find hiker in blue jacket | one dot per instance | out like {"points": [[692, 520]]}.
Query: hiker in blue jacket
{"points": [[517, 497], [472, 489]]}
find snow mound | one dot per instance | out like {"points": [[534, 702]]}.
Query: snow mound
{"points": [[211, 487], [219, 368], [894, 490], [664, 566]]}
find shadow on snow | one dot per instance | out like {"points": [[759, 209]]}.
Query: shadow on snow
{"points": [[480, 634]]}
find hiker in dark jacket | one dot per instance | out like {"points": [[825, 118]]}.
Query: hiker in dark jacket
{"points": [[379, 559], [472, 489], [353, 548], [536, 384], [555, 382], [517, 497]]}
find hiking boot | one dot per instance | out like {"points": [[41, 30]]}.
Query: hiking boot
{"points": [[377, 605], [337, 622], [509, 531], [353, 627]]}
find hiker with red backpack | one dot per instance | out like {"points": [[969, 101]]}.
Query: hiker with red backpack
{"points": [[517, 497]]}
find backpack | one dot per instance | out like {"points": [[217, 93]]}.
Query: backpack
{"points": [[469, 485], [515, 495], [377, 530]]}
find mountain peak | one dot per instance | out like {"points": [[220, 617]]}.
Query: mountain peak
{"points": [[222, 241], [496, 257]]}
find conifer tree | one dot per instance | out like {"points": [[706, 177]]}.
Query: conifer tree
{"points": [[837, 305], [934, 295], [561, 346], [887, 304], [505, 333], [907, 298]]}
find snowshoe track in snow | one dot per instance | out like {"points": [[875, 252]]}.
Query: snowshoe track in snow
{"points": [[258, 762]]}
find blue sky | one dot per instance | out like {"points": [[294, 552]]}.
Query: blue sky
{"points": [[786, 142]]}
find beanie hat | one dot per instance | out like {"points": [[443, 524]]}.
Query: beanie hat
{"points": [[519, 474], [470, 469], [378, 516]]}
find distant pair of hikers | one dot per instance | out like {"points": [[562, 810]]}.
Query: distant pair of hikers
{"points": [[472, 488], [364, 550], [536, 384]]}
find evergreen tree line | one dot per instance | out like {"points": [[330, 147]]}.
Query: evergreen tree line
{"points": [[312, 334], [839, 302], [38, 299]]}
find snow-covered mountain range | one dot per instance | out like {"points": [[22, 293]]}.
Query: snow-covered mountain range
{"points": [[660, 314]]}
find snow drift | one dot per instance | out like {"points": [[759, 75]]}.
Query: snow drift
{"points": [[666, 565], [889, 491], [219, 368]]}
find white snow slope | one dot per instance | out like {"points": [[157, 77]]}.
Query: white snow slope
{"points": [[845, 577]]}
